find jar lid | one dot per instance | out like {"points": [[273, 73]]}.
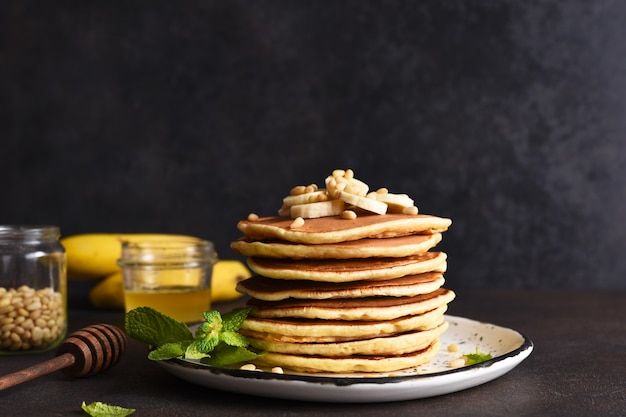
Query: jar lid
{"points": [[26, 232], [190, 252]]}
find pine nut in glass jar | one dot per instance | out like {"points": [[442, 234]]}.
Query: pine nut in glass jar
{"points": [[33, 289], [171, 276]]}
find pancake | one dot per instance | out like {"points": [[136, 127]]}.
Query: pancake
{"points": [[335, 229], [386, 345], [365, 309], [362, 248], [354, 364], [347, 270], [326, 331], [270, 289]]}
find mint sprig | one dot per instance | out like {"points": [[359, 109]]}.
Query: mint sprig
{"points": [[217, 340], [477, 357], [100, 409]]}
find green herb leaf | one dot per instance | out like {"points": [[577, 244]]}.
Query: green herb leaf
{"points": [[234, 339], [233, 320], [155, 328], [99, 409], [224, 355], [167, 351], [216, 341], [212, 324], [477, 357]]}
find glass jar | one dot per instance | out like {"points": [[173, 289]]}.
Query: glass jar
{"points": [[171, 276], [33, 289]]}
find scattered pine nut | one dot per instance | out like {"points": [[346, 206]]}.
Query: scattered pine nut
{"points": [[348, 215], [248, 367], [458, 362], [253, 217], [297, 190], [298, 222]]}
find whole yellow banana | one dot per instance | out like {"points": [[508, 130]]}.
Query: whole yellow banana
{"points": [[109, 293], [226, 274], [92, 256]]}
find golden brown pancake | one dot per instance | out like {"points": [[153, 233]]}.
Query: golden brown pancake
{"points": [[397, 344], [346, 270], [270, 289], [335, 229], [354, 364], [361, 248], [367, 309], [326, 331]]}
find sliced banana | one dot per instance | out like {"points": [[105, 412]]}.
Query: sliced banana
{"points": [[365, 203], [313, 197], [396, 203], [319, 209]]}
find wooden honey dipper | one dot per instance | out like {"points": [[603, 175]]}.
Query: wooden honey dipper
{"points": [[85, 352]]}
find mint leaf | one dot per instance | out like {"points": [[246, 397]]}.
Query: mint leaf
{"points": [[477, 357], [201, 347], [233, 320], [234, 339], [166, 351], [193, 351], [99, 409], [224, 355], [155, 328], [216, 341]]}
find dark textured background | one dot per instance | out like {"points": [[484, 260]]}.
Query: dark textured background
{"points": [[164, 116]]}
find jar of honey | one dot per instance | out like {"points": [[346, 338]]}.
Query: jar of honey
{"points": [[171, 276]]}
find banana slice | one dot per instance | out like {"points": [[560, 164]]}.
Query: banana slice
{"points": [[319, 209], [305, 198], [396, 203], [365, 203]]}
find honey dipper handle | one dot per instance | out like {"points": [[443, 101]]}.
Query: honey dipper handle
{"points": [[35, 371]]}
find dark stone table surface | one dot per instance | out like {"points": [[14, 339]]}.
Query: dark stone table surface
{"points": [[576, 369]]}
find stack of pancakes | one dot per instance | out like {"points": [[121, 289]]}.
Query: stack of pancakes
{"points": [[345, 296]]}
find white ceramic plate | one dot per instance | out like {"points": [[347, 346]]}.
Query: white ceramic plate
{"points": [[508, 348]]}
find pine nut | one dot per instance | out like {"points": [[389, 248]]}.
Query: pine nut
{"points": [[298, 222], [348, 215], [297, 190], [457, 363]]}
